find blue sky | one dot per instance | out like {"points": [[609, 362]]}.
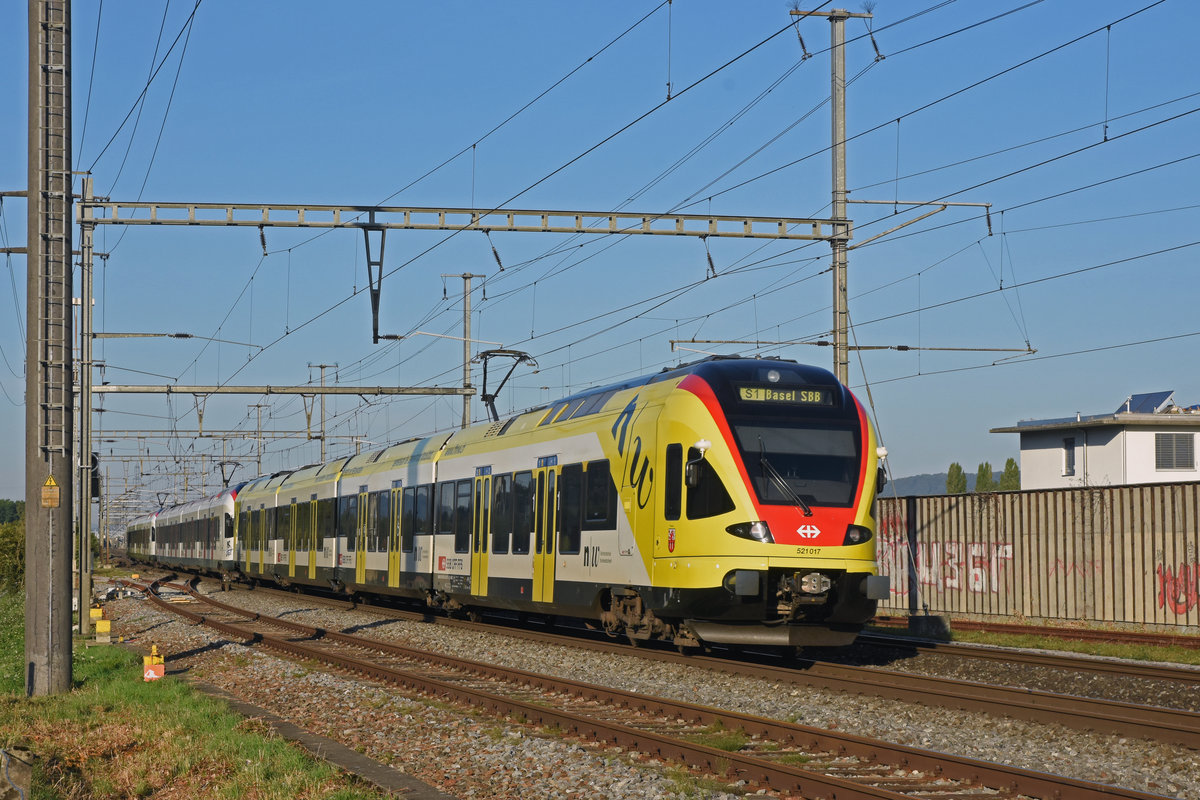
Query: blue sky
{"points": [[1090, 259]]}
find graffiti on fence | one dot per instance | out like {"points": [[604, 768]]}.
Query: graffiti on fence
{"points": [[1178, 588], [976, 567]]}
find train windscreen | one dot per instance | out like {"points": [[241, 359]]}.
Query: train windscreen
{"points": [[817, 463]]}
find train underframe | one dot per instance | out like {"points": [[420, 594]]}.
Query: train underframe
{"points": [[778, 608]]}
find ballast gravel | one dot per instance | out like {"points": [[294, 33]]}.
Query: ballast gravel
{"points": [[468, 755]]}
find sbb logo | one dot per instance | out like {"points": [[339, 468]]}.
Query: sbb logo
{"points": [[809, 531]]}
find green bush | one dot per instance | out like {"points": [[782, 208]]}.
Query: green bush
{"points": [[12, 556]]}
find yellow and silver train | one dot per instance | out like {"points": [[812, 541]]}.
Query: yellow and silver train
{"points": [[724, 501]]}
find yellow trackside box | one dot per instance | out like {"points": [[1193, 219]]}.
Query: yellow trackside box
{"points": [[152, 665]]}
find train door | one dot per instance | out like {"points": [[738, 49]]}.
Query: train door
{"points": [[360, 541], [479, 537], [543, 538], [311, 534], [393, 536]]}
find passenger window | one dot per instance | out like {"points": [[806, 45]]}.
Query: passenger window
{"points": [[501, 513], [570, 488], [445, 508], [383, 520], [553, 414], [348, 520], [423, 512], [522, 511], [462, 530], [600, 511], [283, 521], [407, 519], [326, 517]]}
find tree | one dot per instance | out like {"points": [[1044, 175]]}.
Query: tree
{"points": [[11, 510], [956, 479], [1010, 480], [12, 555], [984, 482]]}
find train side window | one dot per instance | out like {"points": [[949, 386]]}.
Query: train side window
{"points": [[326, 517], [462, 526], [243, 527], [552, 415], [423, 511], [302, 525], [708, 497], [283, 521], [570, 512], [522, 511], [383, 521], [348, 520], [408, 505], [600, 508], [502, 514], [673, 483], [444, 516]]}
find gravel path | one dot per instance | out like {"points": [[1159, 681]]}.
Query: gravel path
{"points": [[472, 756]]}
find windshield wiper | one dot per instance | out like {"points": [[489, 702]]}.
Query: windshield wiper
{"points": [[780, 481]]}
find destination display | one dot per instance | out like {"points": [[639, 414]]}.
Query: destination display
{"points": [[797, 396]]}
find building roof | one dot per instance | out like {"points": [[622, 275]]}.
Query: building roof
{"points": [[1138, 410]]}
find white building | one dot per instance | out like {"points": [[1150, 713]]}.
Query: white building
{"points": [[1148, 439]]}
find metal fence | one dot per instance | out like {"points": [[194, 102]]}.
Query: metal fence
{"points": [[1120, 554]]}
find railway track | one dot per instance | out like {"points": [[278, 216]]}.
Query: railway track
{"points": [[781, 756], [1072, 634], [1172, 726], [1183, 675]]}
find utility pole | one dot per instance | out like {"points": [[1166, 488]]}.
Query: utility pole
{"points": [[322, 367], [839, 241], [49, 405], [466, 276], [258, 407], [86, 467]]}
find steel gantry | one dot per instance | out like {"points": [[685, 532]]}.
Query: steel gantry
{"points": [[376, 221]]}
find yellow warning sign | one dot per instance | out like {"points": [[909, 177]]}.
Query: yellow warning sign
{"points": [[50, 493]]}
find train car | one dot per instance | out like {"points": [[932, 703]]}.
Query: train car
{"points": [[385, 528], [306, 515], [199, 535], [260, 547], [728, 500], [139, 538], [725, 501]]}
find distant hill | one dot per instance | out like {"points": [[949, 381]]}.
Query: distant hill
{"points": [[928, 483]]}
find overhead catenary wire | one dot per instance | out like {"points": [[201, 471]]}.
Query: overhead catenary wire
{"points": [[146, 88]]}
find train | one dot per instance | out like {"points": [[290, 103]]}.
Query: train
{"points": [[725, 501]]}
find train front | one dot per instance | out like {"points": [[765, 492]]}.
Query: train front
{"points": [[767, 519]]}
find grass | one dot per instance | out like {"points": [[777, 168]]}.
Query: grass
{"points": [[115, 736], [719, 737], [687, 784]]}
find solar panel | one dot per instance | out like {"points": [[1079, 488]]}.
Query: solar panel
{"points": [[1145, 403]]}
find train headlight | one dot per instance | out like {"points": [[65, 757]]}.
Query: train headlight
{"points": [[856, 534], [755, 531]]}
